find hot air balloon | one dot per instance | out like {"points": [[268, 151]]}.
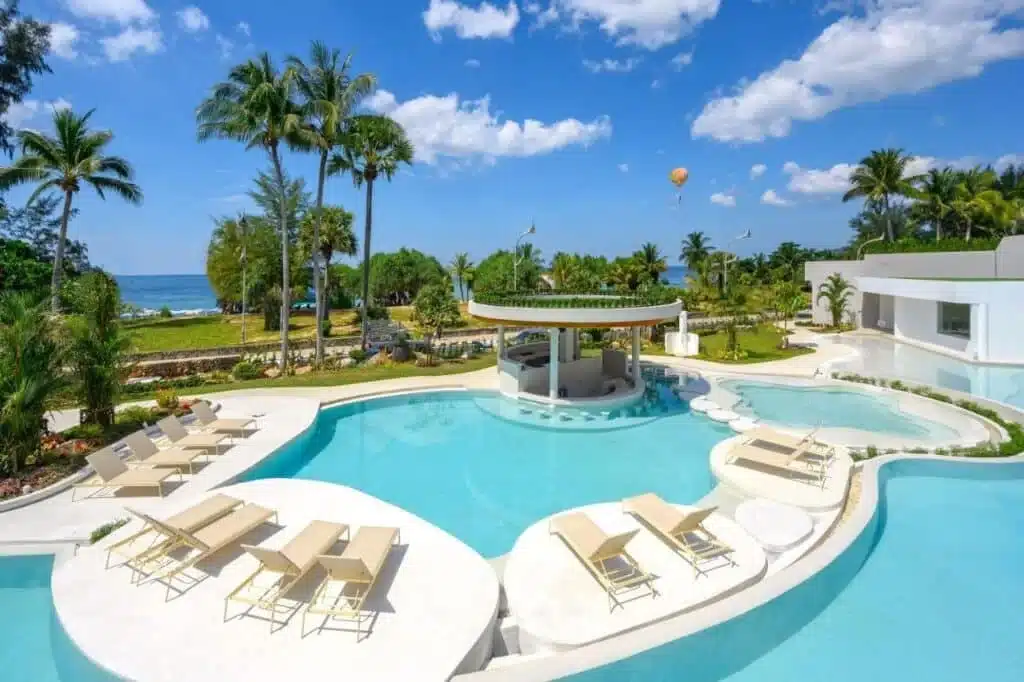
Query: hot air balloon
{"points": [[678, 177]]}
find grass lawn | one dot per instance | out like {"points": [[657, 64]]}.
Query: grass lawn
{"points": [[760, 345], [226, 330], [341, 377]]}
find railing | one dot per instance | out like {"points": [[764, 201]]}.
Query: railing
{"points": [[574, 299]]}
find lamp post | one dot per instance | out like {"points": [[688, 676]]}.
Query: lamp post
{"points": [[244, 224], [725, 265], [860, 249], [516, 258]]}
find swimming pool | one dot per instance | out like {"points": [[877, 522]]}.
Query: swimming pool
{"points": [[931, 590], [33, 645], [839, 407], [447, 458]]}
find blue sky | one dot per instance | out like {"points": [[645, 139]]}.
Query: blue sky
{"points": [[569, 113]]}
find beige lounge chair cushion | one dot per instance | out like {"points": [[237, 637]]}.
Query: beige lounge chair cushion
{"points": [[200, 514], [173, 457], [227, 528], [587, 539], [664, 517], [141, 445], [112, 471], [363, 557], [200, 440], [208, 418], [758, 455], [301, 552]]}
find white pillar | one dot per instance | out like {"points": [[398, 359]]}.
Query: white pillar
{"points": [[683, 324], [553, 365], [635, 371], [979, 331], [501, 341]]}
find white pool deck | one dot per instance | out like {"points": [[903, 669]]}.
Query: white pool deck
{"points": [[753, 481], [436, 602], [559, 605]]}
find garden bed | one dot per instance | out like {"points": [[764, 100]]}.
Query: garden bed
{"points": [[762, 343]]}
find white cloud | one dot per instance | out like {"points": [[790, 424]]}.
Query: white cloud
{"points": [[812, 181], [244, 29], [473, 63], [192, 19], [20, 114], [542, 16], [485, 21], [226, 46], [650, 24], [723, 199], [121, 11], [611, 65], [897, 47], [624, 167], [1009, 160], [62, 40], [757, 170], [655, 84], [681, 60], [442, 126], [771, 198], [122, 46]]}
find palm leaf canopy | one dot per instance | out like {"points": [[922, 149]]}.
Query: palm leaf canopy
{"points": [[880, 175], [373, 145], [71, 157]]}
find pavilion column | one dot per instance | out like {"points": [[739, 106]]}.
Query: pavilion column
{"points": [[979, 331], [501, 341], [635, 370], [553, 364]]}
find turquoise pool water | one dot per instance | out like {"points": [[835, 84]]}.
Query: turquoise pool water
{"points": [[447, 458], [832, 407], [932, 590], [33, 646]]}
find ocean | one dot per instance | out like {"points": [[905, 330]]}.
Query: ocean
{"points": [[183, 294]]}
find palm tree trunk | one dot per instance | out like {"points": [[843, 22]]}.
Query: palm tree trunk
{"points": [[58, 257], [967, 238], [318, 354], [888, 220], [366, 257], [285, 279], [322, 308]]}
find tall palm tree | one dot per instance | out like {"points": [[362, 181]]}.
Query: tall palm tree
{"points": [[652, 261], [372, 146], [64, 162], [881, 175], [460, 268], [935, 195], [695, 251], [329, 95], [1011, 182], [976, 201], [255, 106], [836, 291]]}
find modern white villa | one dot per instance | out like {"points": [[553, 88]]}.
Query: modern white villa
{"points": [[966, 304]]}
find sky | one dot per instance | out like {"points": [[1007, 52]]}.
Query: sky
{"points": [[568, 114]]}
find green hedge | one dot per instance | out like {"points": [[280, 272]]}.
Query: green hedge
{"points": [[574, 299], [932, 246]]}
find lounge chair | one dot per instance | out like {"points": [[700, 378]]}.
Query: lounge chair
{"points": [[146, 452], [810, 448], [280, 570], [354, 573], [683, 532], [203, 543], [190, 520], [181, 438], [596, 549], [791, 464], [111, 472], [212, 423]]}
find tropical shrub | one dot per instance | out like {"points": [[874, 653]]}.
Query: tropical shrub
{"points": [[165, 312], [246, 370], [358, 354], [436, 307], [167, 398], [836, 291], [31, 376], [105, 530]]}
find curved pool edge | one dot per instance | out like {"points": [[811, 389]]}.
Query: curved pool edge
{"points": [[859, 523]]}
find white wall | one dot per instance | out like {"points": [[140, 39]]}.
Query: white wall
{"points": [[918, 320], [817, 272], [1006, 325]]}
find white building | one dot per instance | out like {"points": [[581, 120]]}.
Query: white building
{"points": [[969, 304]]}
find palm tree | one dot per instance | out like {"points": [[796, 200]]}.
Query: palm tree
{"points": [[1011, 182], [881, 175], [255, 106], [836, 291], [334, 225], [64, 162], [934, 197], [329, 96], [652, 261], [528, 253], [975, 200], [460, 268], [695, 250], [371, 146]]}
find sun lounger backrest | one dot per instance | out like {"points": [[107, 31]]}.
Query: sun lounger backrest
{"points": [[614, 546], [203, 412], [106, 464], [579, 532], [172, 428], [346, 568], [140, 445], [272, 559], [693, 520]]}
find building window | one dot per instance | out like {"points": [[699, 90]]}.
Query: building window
{"points": [[955, 319]]}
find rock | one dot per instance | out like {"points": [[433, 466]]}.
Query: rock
{"points": [[378, 358], [351, 362], [303, 370], [26, 489], [272, 373], [400, 354]]}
